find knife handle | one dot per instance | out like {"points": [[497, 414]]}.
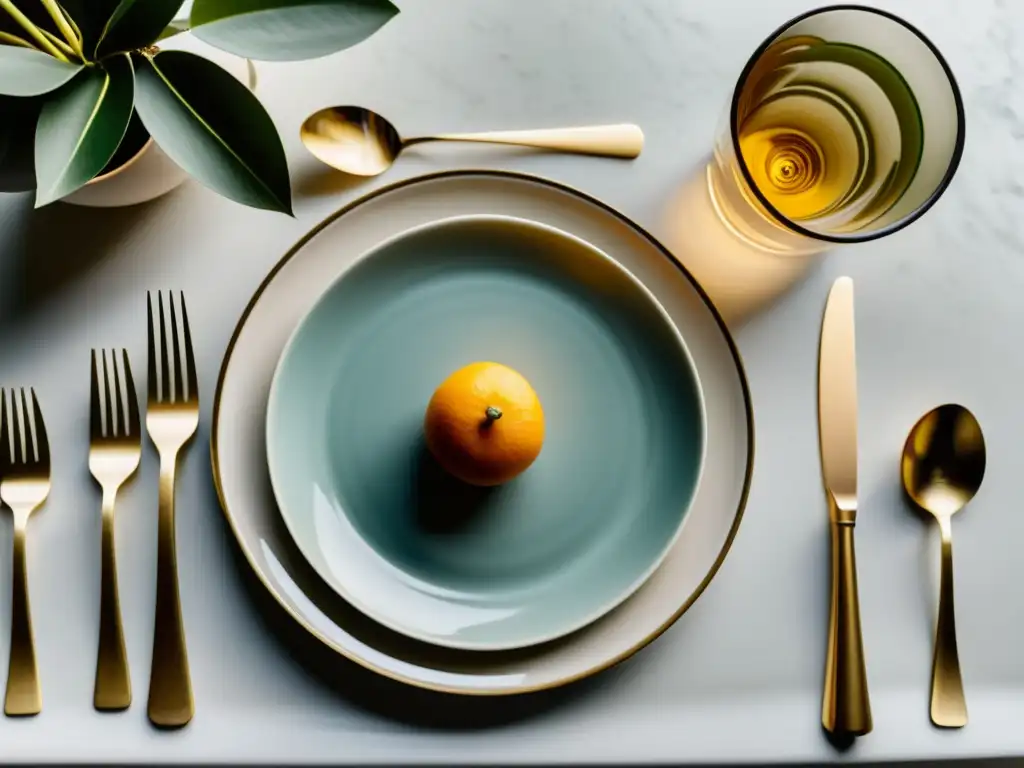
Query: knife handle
{"points": [[846, 708]]}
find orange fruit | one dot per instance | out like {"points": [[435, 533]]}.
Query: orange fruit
{"points": [[485, 424]]}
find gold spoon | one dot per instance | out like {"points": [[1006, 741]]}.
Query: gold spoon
{"points": [[942, 467], [363, 143]]}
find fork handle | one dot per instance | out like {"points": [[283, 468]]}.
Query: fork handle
{"points": [[23, 694], [170, 686], [113, 687]]}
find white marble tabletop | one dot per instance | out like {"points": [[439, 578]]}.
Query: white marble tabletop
{"points": [[738, 678]]}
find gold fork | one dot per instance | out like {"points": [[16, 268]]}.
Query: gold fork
{"points": [[171, 418], [24, 486], [115, 447]]}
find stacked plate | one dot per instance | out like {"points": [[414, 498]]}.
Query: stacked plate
{"points": [[574, 565]]}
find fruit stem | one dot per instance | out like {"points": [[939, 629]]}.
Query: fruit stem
{"points": [[493, 413]]}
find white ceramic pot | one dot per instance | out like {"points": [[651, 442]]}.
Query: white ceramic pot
{"points": [[151, 173]]}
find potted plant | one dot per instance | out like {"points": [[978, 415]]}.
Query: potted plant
{"points": [[84, 84]]}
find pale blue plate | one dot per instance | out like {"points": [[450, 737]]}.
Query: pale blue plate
{"points": [[566, 541]]}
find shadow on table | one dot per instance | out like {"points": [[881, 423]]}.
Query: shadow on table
{"points": [[366, 689], [43, 251], [319, 180], [313, 179], [741, 278], [388, 698]]}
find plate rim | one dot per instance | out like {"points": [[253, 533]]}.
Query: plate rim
{"points": [[606, 606], [626, 221]]}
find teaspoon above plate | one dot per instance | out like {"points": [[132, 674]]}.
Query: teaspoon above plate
{"points": [[363, 143]]}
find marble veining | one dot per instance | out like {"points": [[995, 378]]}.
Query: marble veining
{"points": [[939, 316]]}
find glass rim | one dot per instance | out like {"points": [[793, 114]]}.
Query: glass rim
{"points": [[940, 188]]}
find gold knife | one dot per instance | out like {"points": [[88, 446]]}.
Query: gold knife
{"points": [[846, 709]]}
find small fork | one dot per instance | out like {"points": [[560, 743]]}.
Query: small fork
{"points": [[172, 417], [115, 447], [24, 486]]}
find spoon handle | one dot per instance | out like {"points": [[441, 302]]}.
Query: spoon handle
{"points": [[948, 705], [604, 140]]}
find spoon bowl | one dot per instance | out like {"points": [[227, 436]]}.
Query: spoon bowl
{"points": [[351, 139], [363, 143], [943, 460], [942, 467]]}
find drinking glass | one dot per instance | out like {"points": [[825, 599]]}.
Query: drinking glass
{"points": [[845, 125]]}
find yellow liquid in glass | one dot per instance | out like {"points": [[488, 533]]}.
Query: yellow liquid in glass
{"points": [[829, 133], [804, 166]]}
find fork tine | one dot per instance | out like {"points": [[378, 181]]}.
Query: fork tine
{"points": [[167, 386], [131, 424], [6, 457], [95, 414], [42, 443], [152, 391], [111, 417], [190, 358], [16, 426], [26, 427], [118, 399], [179, 383]]}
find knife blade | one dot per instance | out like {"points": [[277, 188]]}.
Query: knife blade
{"points": [[837, 398], [846, 707]]}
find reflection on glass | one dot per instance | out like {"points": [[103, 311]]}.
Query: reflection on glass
{"points": [[845, 125]]}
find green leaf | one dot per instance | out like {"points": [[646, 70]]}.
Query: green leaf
{"points": [[17, 134], [134, 141], [213, 127], [176, 27], [24, 72], [135, 24], [288, 30], [81, 126]]}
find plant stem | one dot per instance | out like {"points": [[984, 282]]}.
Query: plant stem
{"points": [[74, 26], [33, 30], [15, 40], [57, 14], [58, 42]]}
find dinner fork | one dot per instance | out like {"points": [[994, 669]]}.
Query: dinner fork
{"points": [[115, 447], [172, 417], [24, 486]]}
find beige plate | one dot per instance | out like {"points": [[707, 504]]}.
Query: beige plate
{"points": [[289, 292]]}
